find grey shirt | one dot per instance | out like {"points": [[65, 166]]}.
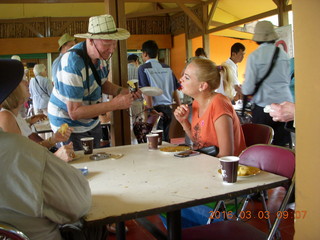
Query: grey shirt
{"points": [[38, 190], [275, 88]]}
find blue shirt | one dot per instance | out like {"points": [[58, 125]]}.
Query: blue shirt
{"points": [[275, 88], [40, 91], [71, 85], [155, 74]]}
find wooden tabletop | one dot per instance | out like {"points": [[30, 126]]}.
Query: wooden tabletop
{"points": [[144, 182]]}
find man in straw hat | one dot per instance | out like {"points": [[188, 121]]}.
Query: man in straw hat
{"points": [[65, 43], [39, 191], [82, 78], [275, 87]]}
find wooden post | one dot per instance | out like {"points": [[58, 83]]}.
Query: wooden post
{"points": [[120, 126]]}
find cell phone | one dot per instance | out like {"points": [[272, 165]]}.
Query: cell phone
{"points": [[187, 153]]}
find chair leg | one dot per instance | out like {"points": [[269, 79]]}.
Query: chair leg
{"points": [[217, 207], [282, 208], [265, 208]]}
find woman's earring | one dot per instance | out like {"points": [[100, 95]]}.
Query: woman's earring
{"points": [[200, 90]]}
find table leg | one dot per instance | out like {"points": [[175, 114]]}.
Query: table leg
{"points": [[121, 231], [174, 225]]}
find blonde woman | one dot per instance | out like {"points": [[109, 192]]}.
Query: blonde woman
{"points": [[214, 121], [11, 121]]}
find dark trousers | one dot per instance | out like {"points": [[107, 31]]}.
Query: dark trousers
{"points": [[281, 136], [75, 138], [165, 120]]}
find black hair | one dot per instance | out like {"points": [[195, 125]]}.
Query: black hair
{"points": [[132, 58], [200, 52], [235, 48], [151, 48]]}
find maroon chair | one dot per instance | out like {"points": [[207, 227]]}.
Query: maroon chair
{"points": [[10, 232], [257, 133], [270, 158]]}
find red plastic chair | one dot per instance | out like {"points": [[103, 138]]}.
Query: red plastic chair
{"points": [[9, 232], [257, 134], [270, 158]]}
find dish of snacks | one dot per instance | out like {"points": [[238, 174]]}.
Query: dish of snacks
{"points": [[246, 171], [174, 149]]}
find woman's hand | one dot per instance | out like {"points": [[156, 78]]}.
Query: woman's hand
{"points": [[66, 152], [58, 137], [36, 118], [182, 113]]}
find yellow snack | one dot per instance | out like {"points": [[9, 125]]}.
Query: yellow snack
{"points": [[63, 129], [131, 84], [244, 171]]}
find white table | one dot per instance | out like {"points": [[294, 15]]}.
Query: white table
{"points": [[42, 127], [143, 183]]}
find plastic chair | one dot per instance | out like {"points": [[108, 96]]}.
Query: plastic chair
{"points": [[270, 158], [10, 232], [257, 134]]}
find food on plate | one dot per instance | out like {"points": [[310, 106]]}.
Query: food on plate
{"points": [[63, 129], [246, 170], [175, 149]]}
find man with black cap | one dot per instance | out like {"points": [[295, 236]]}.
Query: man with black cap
{"points": [[39, 192], [82, 77], [275, 85]]}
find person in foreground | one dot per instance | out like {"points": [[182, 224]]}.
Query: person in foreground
{"points": [[82, 77], [39, 192], [214, 121], [11, 121]]}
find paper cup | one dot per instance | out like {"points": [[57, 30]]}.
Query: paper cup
{"points": [[159, 132], [229, 169], [87, 145], [152, 141]]}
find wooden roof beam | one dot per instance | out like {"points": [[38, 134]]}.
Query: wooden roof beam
{"points": [[248, 19], [153, 13], [191, 15]]}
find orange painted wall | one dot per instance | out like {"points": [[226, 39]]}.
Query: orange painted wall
{"points": [[178, 54], [219, 51]]}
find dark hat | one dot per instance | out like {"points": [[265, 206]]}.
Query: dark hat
{"points": [[11, 74]]}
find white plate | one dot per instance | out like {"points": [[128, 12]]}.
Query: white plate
{"points": [[151, 91]]}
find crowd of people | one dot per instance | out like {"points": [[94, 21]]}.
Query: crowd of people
{"points": [[80, 79]]}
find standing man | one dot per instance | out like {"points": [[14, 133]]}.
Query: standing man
{"points": [[231, 87], [65, 43], [159, 75], [82, 78], [275, 87], [236, 56], [133, 65]]}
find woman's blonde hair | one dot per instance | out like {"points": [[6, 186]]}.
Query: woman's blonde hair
{"points": [[38, 68], [15, 99], [209, 72]]}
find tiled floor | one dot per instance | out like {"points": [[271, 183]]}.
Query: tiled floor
{"points": [[138, 232]]}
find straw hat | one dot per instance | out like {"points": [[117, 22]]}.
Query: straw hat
{"points": [[264, 32], [64, 39], [103, 27], [11, 74]]}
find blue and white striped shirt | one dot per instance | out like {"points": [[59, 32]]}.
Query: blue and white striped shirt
{"points": [[70, 85]]}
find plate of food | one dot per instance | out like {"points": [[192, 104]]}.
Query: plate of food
{"points": [[246, 171], [174, 149], [151, 91]]}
